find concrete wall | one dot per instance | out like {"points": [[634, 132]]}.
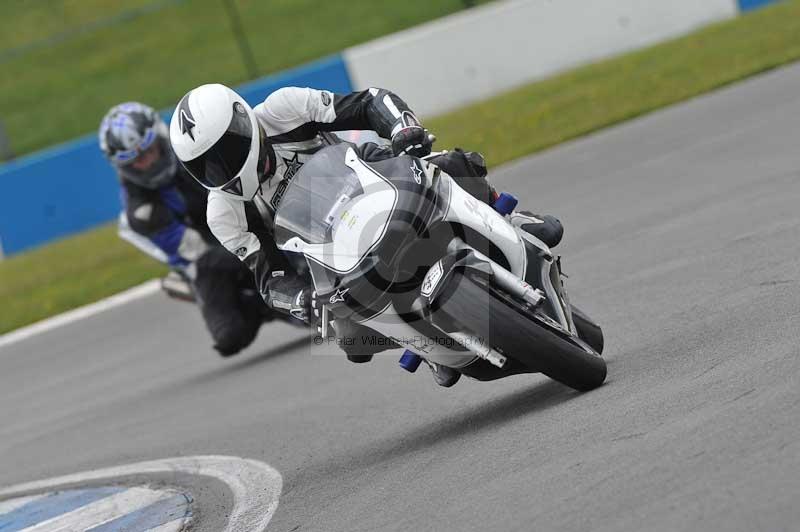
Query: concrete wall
{"points": [[477, 53]]}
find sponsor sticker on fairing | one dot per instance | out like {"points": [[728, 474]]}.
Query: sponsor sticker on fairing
{"points": [[432, 279]]}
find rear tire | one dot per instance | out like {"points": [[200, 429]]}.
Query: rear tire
{"points": [[512, 329]]}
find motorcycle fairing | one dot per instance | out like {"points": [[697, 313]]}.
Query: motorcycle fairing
{"points": [[356, 223], [366, 267], [462, 208], [375, 273]]}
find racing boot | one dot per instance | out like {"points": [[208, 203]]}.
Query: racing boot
{"points": [[545, 227], [444, 376], [358, 358]]}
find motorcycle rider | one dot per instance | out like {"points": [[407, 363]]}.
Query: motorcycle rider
{"points": [[246, 157], [164, 205]]}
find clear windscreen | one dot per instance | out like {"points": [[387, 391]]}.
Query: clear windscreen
{"points": [[311, 206]]}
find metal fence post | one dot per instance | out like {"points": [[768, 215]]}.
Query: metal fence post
{"points": [[241, 39], [5, 147]]}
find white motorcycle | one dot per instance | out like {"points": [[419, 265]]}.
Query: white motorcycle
{"points": [[400, 248]]}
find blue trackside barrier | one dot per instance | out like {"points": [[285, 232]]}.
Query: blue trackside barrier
{"points": [[70, 188], [56, 192], [748, 5]]}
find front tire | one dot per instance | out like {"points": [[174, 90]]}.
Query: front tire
{"points": [[588, 331], [511, 328]]}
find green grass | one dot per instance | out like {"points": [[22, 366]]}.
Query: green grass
{"points": [[69, 273], [55, 93], [90, 266], [578, 102]]}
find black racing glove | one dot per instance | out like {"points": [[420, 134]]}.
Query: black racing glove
{"points": [[294, 296], [410, 137]]}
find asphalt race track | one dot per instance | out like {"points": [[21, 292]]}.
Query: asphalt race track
{"points": [[682, 240]]}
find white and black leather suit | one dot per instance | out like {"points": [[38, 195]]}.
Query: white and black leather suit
{"points": [[297, 122]]}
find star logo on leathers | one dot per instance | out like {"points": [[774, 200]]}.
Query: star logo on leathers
{"points": [[292, 166], [417, 173], [338, 297]]}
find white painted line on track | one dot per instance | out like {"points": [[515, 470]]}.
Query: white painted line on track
{"points": [[132, 294], [255, 485], [172, 526], [102, 511], [10, 506]]}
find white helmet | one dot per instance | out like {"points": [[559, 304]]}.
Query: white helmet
{"points": [[218, 139]]}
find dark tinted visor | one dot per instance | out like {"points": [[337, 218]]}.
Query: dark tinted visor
{"points": [[226, 158], [266, 158]]}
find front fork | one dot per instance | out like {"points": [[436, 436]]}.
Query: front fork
{"points": [[505, 279]]}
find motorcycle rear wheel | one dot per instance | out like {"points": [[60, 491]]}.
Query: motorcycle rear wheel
{"points": [[512, 328]]}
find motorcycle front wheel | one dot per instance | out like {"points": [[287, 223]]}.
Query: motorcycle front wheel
{"points": [[513, 329], [588, 330]]}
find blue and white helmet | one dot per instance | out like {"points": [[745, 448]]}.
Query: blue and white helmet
{"points": [[135, 140]]}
